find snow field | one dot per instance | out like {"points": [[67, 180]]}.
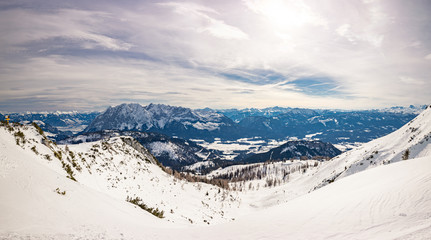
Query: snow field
{"points": [[367, 193]]}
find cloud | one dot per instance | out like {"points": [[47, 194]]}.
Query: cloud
{"points": [[410, 80], [80, 26], [214, 27], [343, 54]]}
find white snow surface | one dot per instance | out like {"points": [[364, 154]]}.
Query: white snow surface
{"points": [[210, 126], [159, 148], [367, 199], [389, 202], [114, 168], [200, 165]]}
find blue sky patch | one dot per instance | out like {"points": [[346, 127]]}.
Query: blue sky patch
{"points": [[316, 86], [256, 76]]}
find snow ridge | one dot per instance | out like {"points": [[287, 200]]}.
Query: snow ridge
{"points": [[155, 116]]}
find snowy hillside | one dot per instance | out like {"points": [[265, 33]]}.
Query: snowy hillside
{"points": [[171, 152], [121, 168], [37, 201], [367, 193], [410, 141], [388, 202]]}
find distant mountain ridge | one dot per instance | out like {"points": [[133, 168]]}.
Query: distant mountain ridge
{"points": [[297, 149], [271, 123], [63, 121], [238, 115], [335, 126]]}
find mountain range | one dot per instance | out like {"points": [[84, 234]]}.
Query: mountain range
{"points": [[297, 149], [60, 124], [275, 123]]}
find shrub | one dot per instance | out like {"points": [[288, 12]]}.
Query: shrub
{"points": [[58, 155], [57, 190], [39, 130], [406, 154], [69, 170], [19, 136], [138, 202], [34, 149]]}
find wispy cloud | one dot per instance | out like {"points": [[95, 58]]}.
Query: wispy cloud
{"points": [[201, 21], [83, 27]]}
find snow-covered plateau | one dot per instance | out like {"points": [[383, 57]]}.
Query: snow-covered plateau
{"points": [[379, 190]]}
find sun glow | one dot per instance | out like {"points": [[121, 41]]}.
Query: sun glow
{"points": [[285, 15]]}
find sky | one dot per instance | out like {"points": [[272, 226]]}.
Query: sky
{"points": [[87, 55]]}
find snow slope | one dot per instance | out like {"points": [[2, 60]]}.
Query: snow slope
{"points": [[352, 196], [120, 167], [388, 202], [414, 137], [31, 207]]}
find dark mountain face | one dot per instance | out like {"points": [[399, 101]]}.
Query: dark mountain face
{"points": [[297, 149], [171, 152]]}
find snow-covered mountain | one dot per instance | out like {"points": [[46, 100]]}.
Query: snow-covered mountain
{"points": [[410, 141], [335, 126], [171, 152], [170, 120], [412, 109], [239, 114], [270, 123], [297, 149], [327, 125]]}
